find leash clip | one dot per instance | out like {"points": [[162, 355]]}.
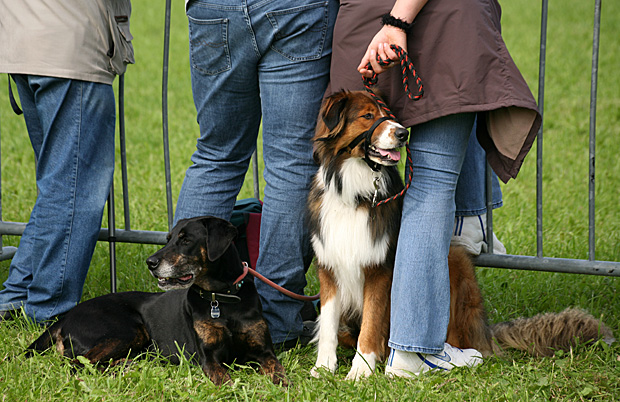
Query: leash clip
{"points": [[375, 182]]}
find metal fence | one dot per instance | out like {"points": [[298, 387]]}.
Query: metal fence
{"points": [[537, 263]]}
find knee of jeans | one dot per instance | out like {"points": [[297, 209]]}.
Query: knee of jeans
{"points": [[292, 177], [431, 197]]}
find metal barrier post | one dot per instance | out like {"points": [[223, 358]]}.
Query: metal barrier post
{"points": [[593, 88], [539, 139], [164, 112]]}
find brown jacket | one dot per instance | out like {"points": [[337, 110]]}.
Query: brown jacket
{"points": [[457, 49]]}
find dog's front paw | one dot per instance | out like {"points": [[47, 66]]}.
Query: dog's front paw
{"points": [[358, 373], [315, 372], [326, 360], [318, 370], [362, 366], [275, 371], [280, 379], [217, 374]]}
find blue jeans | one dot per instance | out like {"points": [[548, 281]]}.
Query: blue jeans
{"points": [[251, 60], [471, 187], [71, 129], [420, 307]]}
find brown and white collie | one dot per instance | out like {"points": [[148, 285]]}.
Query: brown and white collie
{"points": [[357, 149]]}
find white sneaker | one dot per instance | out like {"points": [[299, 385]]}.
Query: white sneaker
{"points": [[410, 364], [470, 232]]}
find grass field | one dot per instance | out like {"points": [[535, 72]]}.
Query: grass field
{"points": [[585, 373]]}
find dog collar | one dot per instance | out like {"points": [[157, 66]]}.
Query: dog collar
{"points": [[214, 296], [215, 299], [227, 296]]}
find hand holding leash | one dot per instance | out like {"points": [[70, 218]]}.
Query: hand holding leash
{"points": [[407, 69], [378, 61], [379, 48]]}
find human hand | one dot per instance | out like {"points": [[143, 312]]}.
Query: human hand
{"points": [[380, 45]]}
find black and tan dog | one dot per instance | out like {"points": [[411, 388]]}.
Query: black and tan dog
{"points": [[211, 311]]}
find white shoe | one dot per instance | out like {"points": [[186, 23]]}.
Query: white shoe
{"points": [[410, 364], [470, 232]]}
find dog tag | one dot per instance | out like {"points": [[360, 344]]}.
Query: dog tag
{"points": [[215, 309]]}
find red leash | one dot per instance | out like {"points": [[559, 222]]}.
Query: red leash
{"points": [[280, 288], [407, 69]]}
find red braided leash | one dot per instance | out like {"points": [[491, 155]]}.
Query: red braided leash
{"points": [[281, 289], [407, 69]]}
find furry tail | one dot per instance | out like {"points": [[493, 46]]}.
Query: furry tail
{"points": [[545, 333]]}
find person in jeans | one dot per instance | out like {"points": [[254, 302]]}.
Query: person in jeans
{"points": [[468, 77], [63, 57], [256, 61]]}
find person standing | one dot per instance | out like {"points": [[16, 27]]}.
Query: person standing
{"points": [[259, 62], [63, 57], [468, 74]]}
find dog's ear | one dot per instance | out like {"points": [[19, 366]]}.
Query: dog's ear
{"points": [[331, 121], [220, 235], [333, 108]]}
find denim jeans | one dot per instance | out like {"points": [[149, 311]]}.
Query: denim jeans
{"points": [[71, 129], [471, 187], [253, 60], [420, 306]]}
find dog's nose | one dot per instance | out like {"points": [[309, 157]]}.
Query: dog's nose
{"points": [[401, 134], [152, 262]]}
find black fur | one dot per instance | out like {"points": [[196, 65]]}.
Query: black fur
{"points": [[113, 327]]}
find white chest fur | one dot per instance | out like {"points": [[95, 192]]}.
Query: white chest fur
{"points": [[346, 245]]}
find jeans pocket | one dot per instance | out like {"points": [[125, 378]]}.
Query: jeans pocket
{"points": [[300, 31], [208, 45]]}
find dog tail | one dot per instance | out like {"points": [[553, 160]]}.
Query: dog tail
{"points": [[545, 333]]}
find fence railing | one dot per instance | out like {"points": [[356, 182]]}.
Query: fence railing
{"points": [[590, 266]]}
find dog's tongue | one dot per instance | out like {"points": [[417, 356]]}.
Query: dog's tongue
{"points": [[394, 154]]}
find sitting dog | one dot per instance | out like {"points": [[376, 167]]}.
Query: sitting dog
{"points": [[354, 239], [211, 313]]}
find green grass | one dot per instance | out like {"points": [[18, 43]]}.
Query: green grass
{"points": [[586, 373]]}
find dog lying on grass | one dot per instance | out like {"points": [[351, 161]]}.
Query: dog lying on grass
{"points": [[211, 311]]}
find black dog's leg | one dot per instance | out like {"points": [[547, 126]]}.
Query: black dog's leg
{"points": [[45, 341], [271, 366], [112, 351], [212, 350], [255, 336], [104, 330], [217, 373]]}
